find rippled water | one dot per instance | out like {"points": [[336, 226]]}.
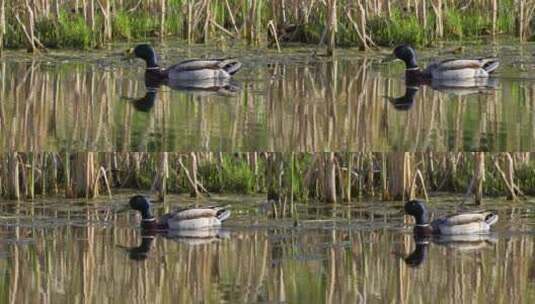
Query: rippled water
{"points": [[70, 252], [298, 101]]}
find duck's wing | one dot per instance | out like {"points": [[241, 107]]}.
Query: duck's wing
{"points": [[487, 64], [430, 68], [459, 64], [190, 213], [467, 218], [230, 65], [193, 213]]}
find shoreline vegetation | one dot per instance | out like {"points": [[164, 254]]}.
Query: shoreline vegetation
{"points": [[285, 178], [40, 24]]}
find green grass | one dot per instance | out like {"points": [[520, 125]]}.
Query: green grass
{"points": [[67, 32], [396, 30], [72, 31], [232, 175]]}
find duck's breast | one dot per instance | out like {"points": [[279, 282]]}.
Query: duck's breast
{"points": [[197, 223], [469, 228], [194, 75]]}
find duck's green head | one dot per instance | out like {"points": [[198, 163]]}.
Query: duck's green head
{"points": [[406, 54], [141, 204], [417, 209], [145, 52]]}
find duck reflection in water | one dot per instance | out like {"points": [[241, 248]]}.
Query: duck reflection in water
{"points": [[186, 237], [207, 87], [457, 87], [460, 243]]}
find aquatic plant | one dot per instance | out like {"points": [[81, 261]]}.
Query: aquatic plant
{"points": [[287, 177], [341, 22]]}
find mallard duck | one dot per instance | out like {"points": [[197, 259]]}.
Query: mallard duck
{"points": [[447, 69], [189, 70], [181, 219], [464, 223]]}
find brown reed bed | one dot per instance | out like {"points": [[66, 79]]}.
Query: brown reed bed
{"points": [[91, 23]]}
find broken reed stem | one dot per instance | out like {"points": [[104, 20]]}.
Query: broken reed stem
{"points": [[273, 30], [412, 192]]}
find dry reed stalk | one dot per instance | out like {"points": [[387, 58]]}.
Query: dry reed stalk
{"points": [[189, 21], [330, 177], [494, 16], [91, 14], [412, 192], [399, 176], [208, 17], [521, 16], [105, 8], [84, 181], [250, 24], [479, 176], [2, 23], [191, 176], [102, 173], [361, 30], [331, 26], [439, 14], [163, 6], [232, 19], [11, 175], [349, 176], [159, 183], [273, 30]]}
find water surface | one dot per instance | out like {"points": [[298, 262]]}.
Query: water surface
{"points": [[295, 101], [69, 251]]}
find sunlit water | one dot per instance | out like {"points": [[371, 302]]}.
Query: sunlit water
{"points": [[70, 252], [295, 101]]}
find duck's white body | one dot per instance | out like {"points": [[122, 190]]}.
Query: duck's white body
{"points": [[199, 223], [462, 68], [466, 223], [195, 218], [203, 69]]}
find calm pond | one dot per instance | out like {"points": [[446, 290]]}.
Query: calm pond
{"points": [[294, 101], [59, 251]]}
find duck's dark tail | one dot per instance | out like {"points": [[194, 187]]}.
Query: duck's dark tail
{"points": [[223, 214], [232, 66], [491, 218], [490, 64]]}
